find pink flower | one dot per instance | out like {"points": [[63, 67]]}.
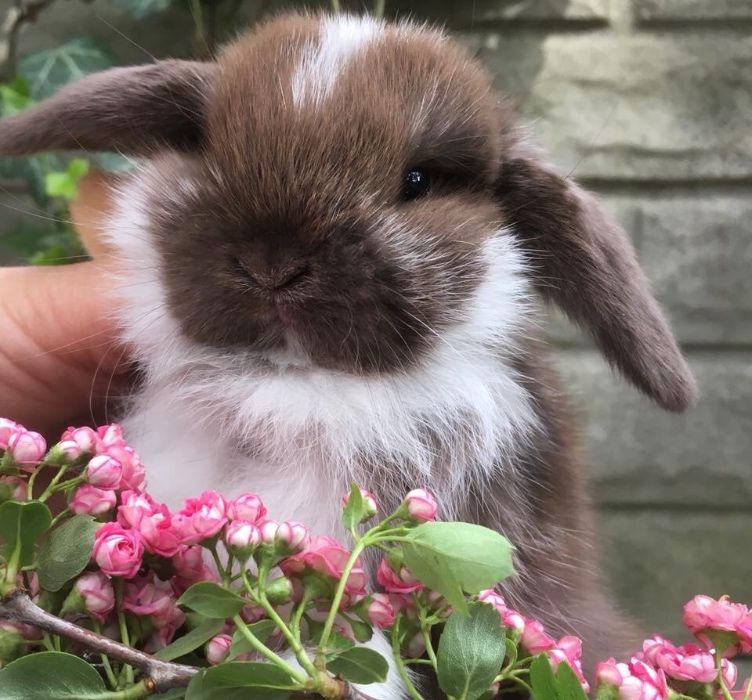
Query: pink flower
{"points": [[97, 593], [118, 552], [218, 649], [534, 638], [242, 537], [635, 680], [166, 627], [608, 673], [152, 520], [149, 597], [104, 472], [292, 537], [27, 448], [134, 474], [89, 500], [369, 501], [201, 518], [110, 436], [401, 582], [16, 488], [380, 611], [7, 430], [511, 619], [190, 567], [247, 506], [77, 441], [569, 650], [685, 663], [703, 615], [328, 557], [421, 505]]}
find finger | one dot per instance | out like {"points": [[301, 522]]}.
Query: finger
{"points": [[59, 343], [89, 211]]}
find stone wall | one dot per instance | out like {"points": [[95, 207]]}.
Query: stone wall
{"points": [[649, 102]]}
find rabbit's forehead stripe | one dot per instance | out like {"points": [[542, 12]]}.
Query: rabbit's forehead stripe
{"points": [[324, 60]]}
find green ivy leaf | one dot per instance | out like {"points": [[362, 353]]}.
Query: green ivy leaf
{"points": [[66, 552], [471, 652], [568, 686], [542, 679], [192, 640], [50, 675], [211, 600], [458, 558], [15, 97], [262, 630], [234, 680], [360, 665], [355, 510], [141, 9], [65, 184], [21, 525], [47, 71]]}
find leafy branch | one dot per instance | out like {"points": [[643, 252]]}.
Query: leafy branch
{"points": [[20, 13]]}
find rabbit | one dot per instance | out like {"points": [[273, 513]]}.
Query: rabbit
{"points": [[335, 251]]}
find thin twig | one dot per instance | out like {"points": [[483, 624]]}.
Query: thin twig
{"points": [[161, 675], [20, 13]]}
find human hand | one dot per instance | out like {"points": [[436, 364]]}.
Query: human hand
{"points": [[60, 358]]}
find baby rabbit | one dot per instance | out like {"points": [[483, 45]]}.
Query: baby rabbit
{"points": [[333, 250]]}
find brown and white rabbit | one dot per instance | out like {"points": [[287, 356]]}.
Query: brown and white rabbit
{"points": [[332, 252]]}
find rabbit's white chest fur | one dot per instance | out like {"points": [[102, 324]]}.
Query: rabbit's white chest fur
{"points": [[298, 435]]}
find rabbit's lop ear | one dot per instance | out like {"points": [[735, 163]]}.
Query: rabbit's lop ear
{"points": [[584, 263], [132, 110]]}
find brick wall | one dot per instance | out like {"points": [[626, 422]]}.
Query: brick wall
{"points": [[649, 102]]}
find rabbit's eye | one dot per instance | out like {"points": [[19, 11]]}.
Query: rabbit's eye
{"points": [[416, 184]]}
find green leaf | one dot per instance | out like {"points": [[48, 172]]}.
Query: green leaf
{"points": [[21, 525], [211, 600], [542, 679], [458, 558], [360, 665], [568, 686], [262, 630], [361, 631], [15, 97], [471, 652], [47, 71], [50, 675], [66, 552], [190, 641], [355, 510], [65, 184], [140, 9], [232, 681]]}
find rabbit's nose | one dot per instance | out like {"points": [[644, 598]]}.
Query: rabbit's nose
{"points": [[277, 277]]}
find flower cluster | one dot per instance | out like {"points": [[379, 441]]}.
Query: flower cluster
{"points": [[661, 668], [217, 581]]}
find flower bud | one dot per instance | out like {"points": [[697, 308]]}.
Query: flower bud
{"points": [[416, 647], [381, 611], [292, 537], [218, 649], [421, 505], [247, 506], [242, 538], [27, 448], [78, 441], [370, 504], [279, 591], [269, 532], [104, 472], [7, 429], [12, 488], [96, 594], [89, 500]]}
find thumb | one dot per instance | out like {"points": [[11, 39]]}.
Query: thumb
{"points": [[59, 354]]}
